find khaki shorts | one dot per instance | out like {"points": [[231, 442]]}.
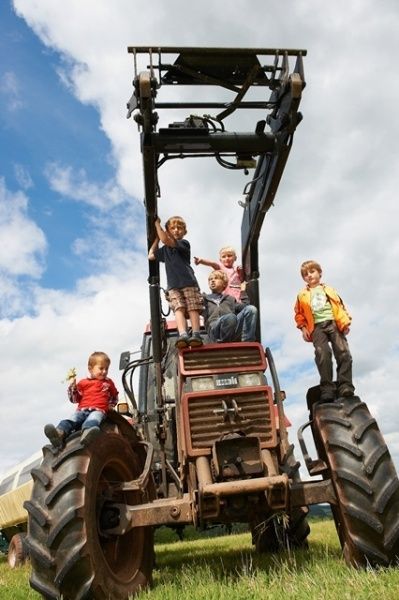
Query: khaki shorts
{"points": [[187, 299]]}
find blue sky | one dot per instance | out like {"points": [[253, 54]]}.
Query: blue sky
{"points": [[42, 123], [73, 262]]}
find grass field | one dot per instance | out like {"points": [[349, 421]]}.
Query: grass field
{"points": [[212, 568]]}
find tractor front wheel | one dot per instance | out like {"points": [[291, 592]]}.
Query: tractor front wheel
{"points": [[72, 557], [364, 478]]}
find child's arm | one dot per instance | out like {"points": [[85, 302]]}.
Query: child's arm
{"points": [[206, 262], [163, 235], [301, 322], [113, 401], [240, 273], [73, 393], [153, 249], [113, 397], [305, 334]]}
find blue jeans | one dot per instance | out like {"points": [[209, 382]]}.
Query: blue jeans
{"points": [[231, 327], [82, 419]]}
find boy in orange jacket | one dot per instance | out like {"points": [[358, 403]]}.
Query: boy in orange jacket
{"points": [[323, 319]]}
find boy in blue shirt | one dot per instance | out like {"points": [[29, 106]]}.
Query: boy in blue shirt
{"points": [[183, 290]]}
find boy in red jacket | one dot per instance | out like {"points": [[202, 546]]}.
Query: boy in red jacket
{"points": [[95, 396], [323, 319]]}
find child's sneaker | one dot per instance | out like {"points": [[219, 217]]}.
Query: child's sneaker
{"points": [[89, 434], [182, 341], [195, 340], [54, 434], [346, 392]]}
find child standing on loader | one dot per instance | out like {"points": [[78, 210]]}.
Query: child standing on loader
{"points": [[183, 290], [323, 319], [227, 258], [95, 396]]}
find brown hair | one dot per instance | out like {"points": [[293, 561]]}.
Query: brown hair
{"points": [[220, 275], [309, 264], [95, 357], [179, 220]]}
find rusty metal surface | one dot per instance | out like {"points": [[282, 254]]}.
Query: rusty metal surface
{"points": [[312, 492], [205, 422], [244, 486], [165, 511], [142, 481], [212, 358]]}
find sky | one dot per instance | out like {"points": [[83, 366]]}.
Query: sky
{"points": [[73, 263]]}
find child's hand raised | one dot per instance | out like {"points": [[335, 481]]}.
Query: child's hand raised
{"points": [[70, 378]]}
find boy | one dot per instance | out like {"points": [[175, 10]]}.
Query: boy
{"points": [[323, 319], [227, 258], [184, 296], [95, 396], [225, 318]]}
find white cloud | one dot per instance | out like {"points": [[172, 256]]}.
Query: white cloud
{"points": [[10, 89], [23, 177], [37, 352], [23, 242], [75, 185]]}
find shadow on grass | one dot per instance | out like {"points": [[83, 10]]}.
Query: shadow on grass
{"points": [[232, 556]]}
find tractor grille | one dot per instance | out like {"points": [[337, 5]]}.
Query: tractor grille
{"points": [[235, 357], [207, 422]]}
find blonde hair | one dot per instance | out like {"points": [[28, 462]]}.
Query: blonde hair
{"points": [[227, 249], [178, 220], [95, 357], [309, 264], [220, 275]]}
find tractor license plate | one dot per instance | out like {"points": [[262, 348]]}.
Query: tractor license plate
{"points": [[226, 381]]}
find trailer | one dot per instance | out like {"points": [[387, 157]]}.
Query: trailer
{"points": [[15, 488]]}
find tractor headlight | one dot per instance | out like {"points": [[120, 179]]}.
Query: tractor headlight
{"points": [[249, 379], [202, 384]]}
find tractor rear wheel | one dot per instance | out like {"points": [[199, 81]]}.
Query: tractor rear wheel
{"points": [[70, 554], [364, 478], [17, 551]]}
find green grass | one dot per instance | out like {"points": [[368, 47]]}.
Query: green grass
{"points": [[212, 568]]}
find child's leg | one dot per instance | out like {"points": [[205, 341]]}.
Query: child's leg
{"points": [[195, 339], [181, 321], [246, 324], [323, 359], [195, 319], [93, 419], [224, 329], [344, 362], [91, 426], [194, 305], [57, 435], [178, 305]]}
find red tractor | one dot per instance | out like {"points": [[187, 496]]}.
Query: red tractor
{"points": [[208, 442]]}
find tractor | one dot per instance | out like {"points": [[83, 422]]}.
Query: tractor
{"points": [[205, 439]]}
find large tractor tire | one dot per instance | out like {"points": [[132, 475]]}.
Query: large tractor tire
{"points": [[17, 554], [283, 531], [365, 481], [71, 556]]}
